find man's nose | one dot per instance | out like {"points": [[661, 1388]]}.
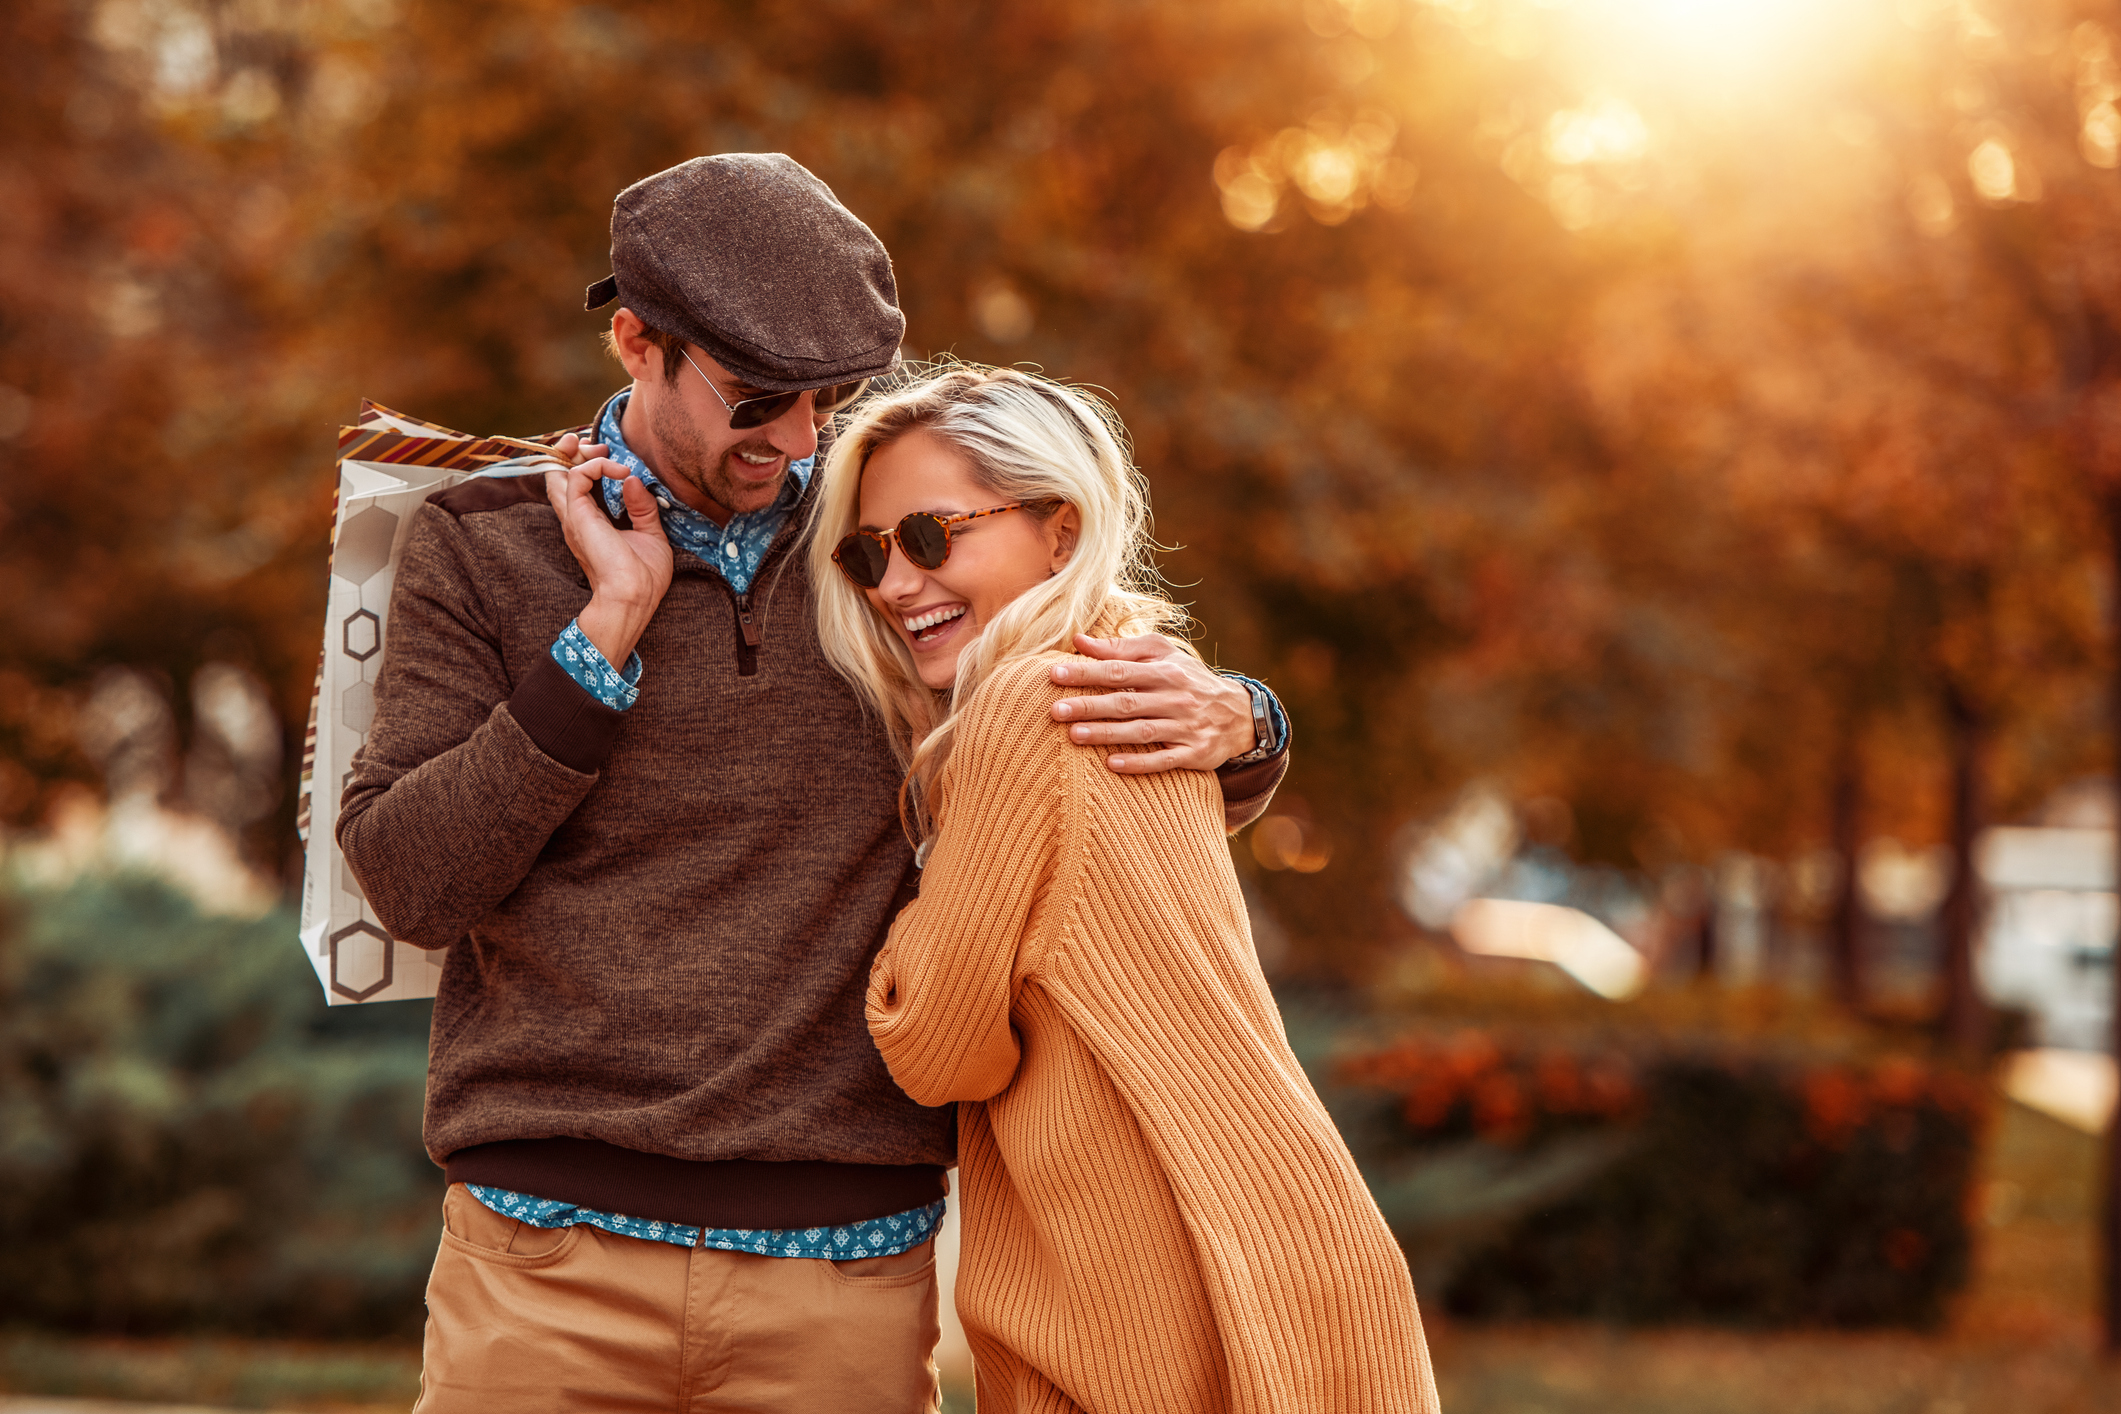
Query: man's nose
{"points": [[794, 432]]}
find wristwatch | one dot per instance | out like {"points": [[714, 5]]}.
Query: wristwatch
{"points": [[1263, 734]]}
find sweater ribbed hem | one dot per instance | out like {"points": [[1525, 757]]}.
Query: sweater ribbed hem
{"points": [[729, 1193], [558, 713]]}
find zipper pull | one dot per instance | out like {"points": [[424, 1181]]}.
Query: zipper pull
{"points": [[747, 621]]}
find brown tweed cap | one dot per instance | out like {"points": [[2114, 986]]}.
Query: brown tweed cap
{"points": [[752, 258]]}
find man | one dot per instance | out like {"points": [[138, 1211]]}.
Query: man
{"points": [[612, 774]]}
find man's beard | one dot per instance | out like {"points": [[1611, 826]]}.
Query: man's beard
{"points": [[686, 460]]}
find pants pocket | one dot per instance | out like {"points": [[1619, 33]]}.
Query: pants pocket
{"points": [[470, 1227], [898, 1269]]}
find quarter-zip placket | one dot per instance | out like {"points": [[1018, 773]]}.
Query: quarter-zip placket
{"points": [[747, 624], [750, 617]]}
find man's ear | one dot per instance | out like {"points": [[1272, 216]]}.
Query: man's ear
{"points": [[1062, 529], [630, 337]]}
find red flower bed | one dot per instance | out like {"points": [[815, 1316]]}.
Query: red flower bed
{"points": [[1759, 1184]]}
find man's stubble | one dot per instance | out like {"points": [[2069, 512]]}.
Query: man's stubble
{"points": [[687, 460]]}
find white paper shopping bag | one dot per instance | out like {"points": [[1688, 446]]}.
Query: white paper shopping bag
{"points": [[388, 464]]}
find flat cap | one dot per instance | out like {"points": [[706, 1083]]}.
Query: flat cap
{"points": [[754, 259]]}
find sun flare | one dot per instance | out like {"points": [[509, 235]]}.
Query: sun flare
{"points": [[1711, 48], [1722, 39]]}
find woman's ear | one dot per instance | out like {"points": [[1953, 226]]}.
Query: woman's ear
{"points": [[1062, 528]]}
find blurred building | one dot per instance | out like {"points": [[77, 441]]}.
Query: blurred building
{"points": [[2048, 946]]}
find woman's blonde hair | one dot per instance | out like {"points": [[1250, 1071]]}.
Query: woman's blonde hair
{"points": [[1028, 439]]}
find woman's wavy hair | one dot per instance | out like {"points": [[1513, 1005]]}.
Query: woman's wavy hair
{"points": [[1028, 439]]}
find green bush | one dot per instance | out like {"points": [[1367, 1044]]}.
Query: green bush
{"points": [[1664, 1177], [190, 1139]]}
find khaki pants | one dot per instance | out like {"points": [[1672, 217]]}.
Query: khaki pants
{"points": [[525, 1320]]}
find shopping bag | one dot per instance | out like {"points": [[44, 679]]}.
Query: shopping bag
{"points": [[388, 464]]}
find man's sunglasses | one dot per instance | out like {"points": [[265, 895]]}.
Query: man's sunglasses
{"points": [[757, 412], [864, 555]]}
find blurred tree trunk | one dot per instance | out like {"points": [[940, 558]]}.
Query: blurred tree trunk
{"points": [[1704, 940], [1845, 930], [2110, 1203], [1965, 1018]]}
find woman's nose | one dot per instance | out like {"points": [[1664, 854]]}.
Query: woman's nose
{"points": [[902, 578]]}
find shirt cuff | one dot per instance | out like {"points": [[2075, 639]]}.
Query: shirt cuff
{"points": [[616, 689]]}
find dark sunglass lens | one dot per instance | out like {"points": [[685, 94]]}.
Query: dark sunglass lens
{"points": [[925, 540], [757, 412], [838, 396], [863, 557]]}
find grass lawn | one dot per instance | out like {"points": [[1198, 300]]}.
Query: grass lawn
{"points": [[235, 1374], [2021, 1341]]}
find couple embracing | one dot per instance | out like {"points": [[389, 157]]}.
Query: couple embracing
{"points": [[761, 771]]}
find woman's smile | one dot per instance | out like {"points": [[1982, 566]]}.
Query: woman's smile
{"points": [[931, 626], [991, 560]]}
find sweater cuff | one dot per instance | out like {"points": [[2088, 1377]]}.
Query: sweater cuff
{"points": [[1247, 789], [561, 717]]}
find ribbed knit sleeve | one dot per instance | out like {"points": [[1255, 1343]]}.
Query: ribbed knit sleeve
{"points": [[940, 991], [1309, 1293], [1159, 1214]]}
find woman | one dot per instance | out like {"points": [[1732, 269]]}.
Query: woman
{"points": [[1158, 1214]]}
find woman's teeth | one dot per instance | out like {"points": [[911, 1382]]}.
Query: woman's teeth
{"points": [[932, 618]]}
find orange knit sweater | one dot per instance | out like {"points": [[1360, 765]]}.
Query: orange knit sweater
{"points": [[1158, 1214]]}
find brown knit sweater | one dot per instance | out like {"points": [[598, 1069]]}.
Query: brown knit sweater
{"points": [[1158, 1213], [659, 923]]}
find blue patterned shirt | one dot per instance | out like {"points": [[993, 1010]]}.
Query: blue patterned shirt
{"points": [[735, 551], [615, 688], [878, 1237]]}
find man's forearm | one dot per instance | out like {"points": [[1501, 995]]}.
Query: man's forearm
{"points": [[434, 848]]}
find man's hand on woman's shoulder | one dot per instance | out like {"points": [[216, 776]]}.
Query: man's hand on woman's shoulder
{"points": [[1160, 694]]}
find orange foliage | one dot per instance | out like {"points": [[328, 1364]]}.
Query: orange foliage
{"points": [[1841, 1101], [1469, 1077], [1626, 477]]}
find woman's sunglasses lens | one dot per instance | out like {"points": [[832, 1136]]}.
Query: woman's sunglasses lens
{"points": [[925, 540], [864, 559]]}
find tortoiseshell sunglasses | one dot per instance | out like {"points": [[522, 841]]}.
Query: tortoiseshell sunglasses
{"points": [[864, 555]]}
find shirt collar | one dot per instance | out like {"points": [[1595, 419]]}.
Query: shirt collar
{"points": [[611, 435]]}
